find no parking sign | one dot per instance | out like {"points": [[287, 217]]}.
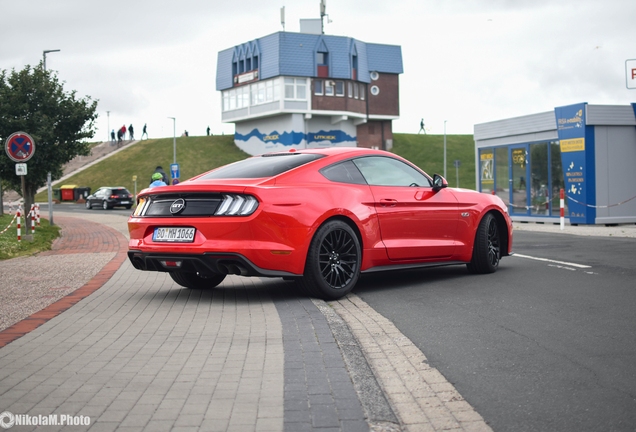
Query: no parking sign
{"points": [[20, 147]]}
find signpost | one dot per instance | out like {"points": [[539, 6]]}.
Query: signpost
{"points": [[20, 147], [174, 170], [21, 169]]}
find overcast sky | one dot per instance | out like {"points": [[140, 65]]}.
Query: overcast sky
{"points": [[465, 61]]}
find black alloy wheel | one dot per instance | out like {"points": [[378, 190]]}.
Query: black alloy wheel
{"points": [[487, 247], [333, 261]]}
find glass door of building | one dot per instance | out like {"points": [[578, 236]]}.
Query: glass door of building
{"points": [[519, 185]]}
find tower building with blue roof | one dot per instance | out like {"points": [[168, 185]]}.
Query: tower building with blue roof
{"points": [[306, 90]]}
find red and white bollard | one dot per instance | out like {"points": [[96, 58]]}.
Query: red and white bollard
{"points": [[562, 203], [32, 212], [18, 214], [37, 213]]}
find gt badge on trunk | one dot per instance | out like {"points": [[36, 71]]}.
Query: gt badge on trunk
{"points": [[177, 206]]}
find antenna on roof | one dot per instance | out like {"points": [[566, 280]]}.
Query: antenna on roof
{"points": [[323, 12], [282, 17]]}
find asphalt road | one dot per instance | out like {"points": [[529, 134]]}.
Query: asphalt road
{"points": [[537, 346]]}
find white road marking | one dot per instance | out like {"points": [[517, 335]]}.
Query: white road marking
{"points": [[552, 261]]}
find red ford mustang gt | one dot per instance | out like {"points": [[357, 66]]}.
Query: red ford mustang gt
{"points": [[321, 217]]}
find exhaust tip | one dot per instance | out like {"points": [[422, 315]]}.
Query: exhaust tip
{"points": [[138, 263]]}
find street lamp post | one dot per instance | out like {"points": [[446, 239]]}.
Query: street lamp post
{"points": [[174, 139], [108, 127], [48, 175], [44, 53], [444, 148]]}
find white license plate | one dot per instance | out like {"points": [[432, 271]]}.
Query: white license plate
{"points": [[173, 234], [125, 202]]}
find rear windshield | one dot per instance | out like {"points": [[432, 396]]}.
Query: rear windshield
{"points": [[262, 166], [120, 192]]}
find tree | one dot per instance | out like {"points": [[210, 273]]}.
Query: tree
{"points": [[34, 101]]}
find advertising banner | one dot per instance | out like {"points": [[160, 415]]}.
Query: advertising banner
{"points": [[577, 157]]}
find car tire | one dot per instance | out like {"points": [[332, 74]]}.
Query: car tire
{"points": [[128, 207], [487, 247], [333, 262], [194, 281], [105, 205], [88, 205]]}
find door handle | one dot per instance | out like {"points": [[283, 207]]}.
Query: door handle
{"points": [[388, 202]]}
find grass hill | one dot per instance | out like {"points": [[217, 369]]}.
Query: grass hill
{"points": [[427, 152], [199, 154]]}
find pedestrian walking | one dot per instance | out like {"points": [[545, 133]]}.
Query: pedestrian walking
{"points": [[112, 135], [422, 127], [164, 176], [131, 132], [143, 132], [157, 181], [123, 132], [207, 131]]}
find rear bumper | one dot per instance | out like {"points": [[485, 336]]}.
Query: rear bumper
{"points": [[207, 263]]}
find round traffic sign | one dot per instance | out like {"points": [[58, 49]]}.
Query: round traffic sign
{"points": [[20, 147]]}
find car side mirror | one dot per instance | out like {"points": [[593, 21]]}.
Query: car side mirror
{"points": [[439, 182]]}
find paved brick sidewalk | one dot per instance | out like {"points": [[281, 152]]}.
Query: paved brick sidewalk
{"points": [[97, 250]]}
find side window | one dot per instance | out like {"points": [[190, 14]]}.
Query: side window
{"points": [[386, 171], [343, 172]]}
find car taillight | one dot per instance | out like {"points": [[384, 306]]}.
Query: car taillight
{"points": [[237, 205], [141, 206]]}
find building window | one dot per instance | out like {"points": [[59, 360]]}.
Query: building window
{"points": [[318, 90], [486, 170], [296, 88], [253, 94], [362, 91], [265, 91], [322, 64], [248, 64], [255, 61], [340, 88], [356, 93], [301, 89], [350, 89], [329, 88]]}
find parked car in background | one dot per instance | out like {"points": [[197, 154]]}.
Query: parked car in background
{"points": [[108, 197], [321, 217]]}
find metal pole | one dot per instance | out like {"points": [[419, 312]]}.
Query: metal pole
{"points": [[174, 139], [108, 128], [457, 173], [444, 148], [44, 53], [50, 191], [48, 175]]}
